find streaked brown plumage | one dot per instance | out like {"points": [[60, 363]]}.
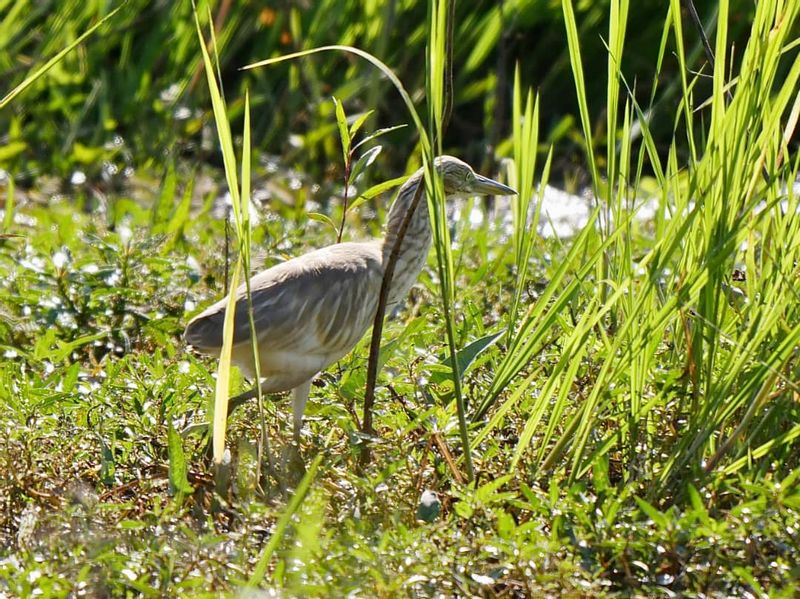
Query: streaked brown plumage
{"points": [[310, 311]]}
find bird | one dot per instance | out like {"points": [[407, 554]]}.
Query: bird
{"points": [[311, 310]]}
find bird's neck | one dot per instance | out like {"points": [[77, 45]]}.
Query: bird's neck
{"points": [[417, 239], [418, 234]]}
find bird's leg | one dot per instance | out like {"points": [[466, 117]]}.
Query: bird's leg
{"points": [[268, 387], [299, 398], [292, 466], [235, 402]]}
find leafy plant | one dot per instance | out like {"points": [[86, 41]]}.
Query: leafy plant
{"points": [[354, 167]]}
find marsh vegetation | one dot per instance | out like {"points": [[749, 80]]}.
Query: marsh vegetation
{"points": [[627, 393]]}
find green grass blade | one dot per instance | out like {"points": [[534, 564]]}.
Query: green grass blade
{"points": [[573, 40], [260, 570], [222, 388], [387, 72], [42, 70]]}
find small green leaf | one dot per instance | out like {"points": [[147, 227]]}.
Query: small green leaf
{"points": [[180, 215], [159, 213], [505, 524], [323, 218], [107, 465], [651, 512], [87, 154], [131, 525], [464, 509], [366, 159], [377, 134], [600, 473], [357, 124], [65, 348], [344, 133], [12, 149], [484, 494], [178, 479], [377, 190], [697, 503]]}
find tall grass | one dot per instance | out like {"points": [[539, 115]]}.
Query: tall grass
{"points": [[434, 192], [240, 202], [666, 310], [673, 309]]}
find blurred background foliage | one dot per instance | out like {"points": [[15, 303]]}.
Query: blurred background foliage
{"points": [[133, 99]]}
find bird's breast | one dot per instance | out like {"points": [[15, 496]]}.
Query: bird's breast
{"points": [[410, 263]]}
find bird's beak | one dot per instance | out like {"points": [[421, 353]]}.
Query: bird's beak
{"points": [[486, 186]]}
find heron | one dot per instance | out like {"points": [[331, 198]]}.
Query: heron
{"points": [[310, 311]]}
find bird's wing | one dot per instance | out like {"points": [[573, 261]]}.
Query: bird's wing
{"points": [[323, 300]]}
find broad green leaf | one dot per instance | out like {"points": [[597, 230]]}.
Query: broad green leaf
{"points": [[465, 357], [178, 471], [222, 390]]}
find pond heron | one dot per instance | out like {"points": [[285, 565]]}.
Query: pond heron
{"points": [[310, 311]]}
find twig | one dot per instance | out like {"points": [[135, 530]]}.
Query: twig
{"points": [[689, 6], [377, 325], [347, 166], [422, 464], [448, 457]]}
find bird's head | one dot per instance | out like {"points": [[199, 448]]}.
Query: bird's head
{"points": [[460, 179]]}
